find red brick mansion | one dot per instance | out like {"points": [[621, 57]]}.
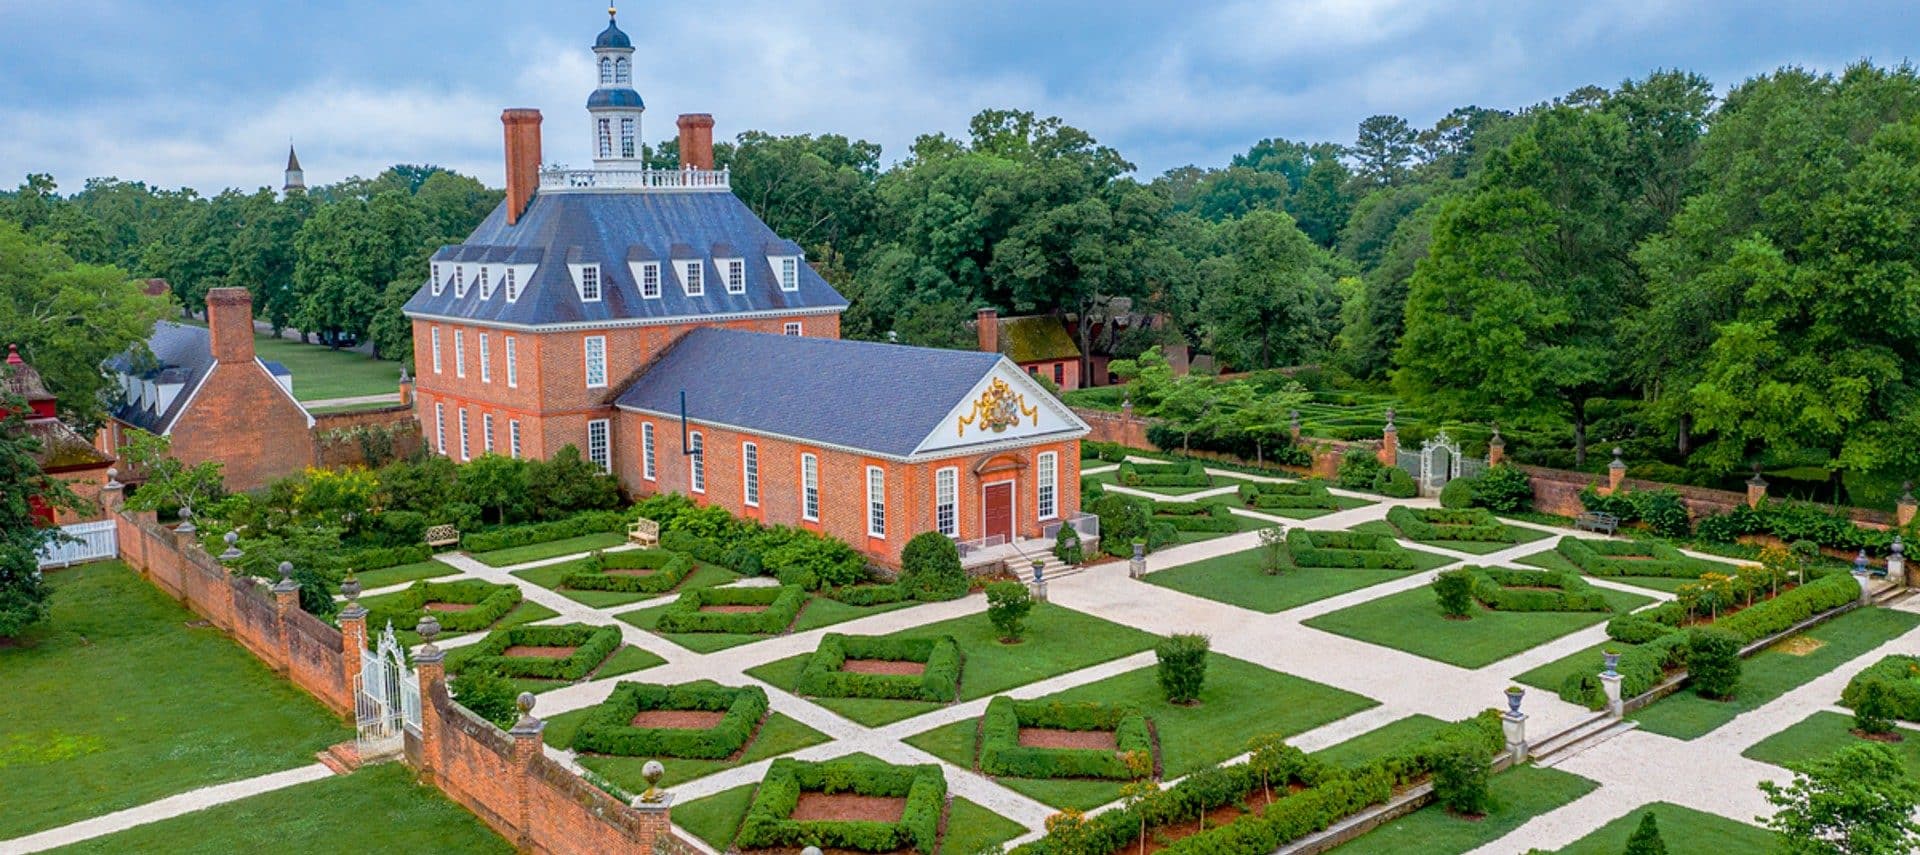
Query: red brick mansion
{"points": [[649, 318]]}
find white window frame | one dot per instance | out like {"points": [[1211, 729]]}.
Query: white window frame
{"points": [[736, 275], [793, 329], [459, 353], [697, 463], [1047, 485], [750, 474], [513, 438], [946, 501], [436, 348], [629, 133], [459, 282], [788, 269], [486, 433], [513, 283], [650, 280], [589, 347], [440, 428], [465, 449], [647, 469], [433, 274], [603, 141], [592, 288], [876, 502], [486, 366], [513, 364], [810, 487], [693, 278], [600, 433], [486, 285]]}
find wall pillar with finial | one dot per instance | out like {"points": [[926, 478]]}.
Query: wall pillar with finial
{"points": [[1903, 510], [1616, 471], [1756, 488], [655, 807], [1293, 426], [1496, 448], [430, 666], [526, 748], [353, 633], [1389, 453], [286, 601]]}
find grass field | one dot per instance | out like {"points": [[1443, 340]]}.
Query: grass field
{"points": [[549, 575], [1411, 621], [1058, 641], [1685, 831], [1393, 735], [1518, 534], [1237, 579], [328, 815], [122, 697], [1550, 560], [1519, 794], [428, 569], [777, 735], [320, 373], [817, 613], [551, 549], [1823, 733]]}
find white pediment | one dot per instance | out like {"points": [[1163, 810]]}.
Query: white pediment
{"points": [[1006, 406]]}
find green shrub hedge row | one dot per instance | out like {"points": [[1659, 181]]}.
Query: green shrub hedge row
{"points": [[1109, 452], [1194, 516], [939, 682], [1508, 590], [1628, 558], [1900, 675], [795, 556], [1472, 524], [609, 729], [593, 645], [1347, 549], [670, 569], [591, 522], [1187, 474], [379, 557], [1791, 521], [490, 603], [783, 605], [1002, 754], [1298, 494], [770, 823], [867, 595]]}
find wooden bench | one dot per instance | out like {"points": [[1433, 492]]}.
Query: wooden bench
{"points": [[644, 532], [1597, 521], [442, 535]]}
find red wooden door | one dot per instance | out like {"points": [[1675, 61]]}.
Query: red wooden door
{"points": [[997, 506]]}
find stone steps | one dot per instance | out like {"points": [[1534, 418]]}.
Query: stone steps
{"points": [[1586, 734]]}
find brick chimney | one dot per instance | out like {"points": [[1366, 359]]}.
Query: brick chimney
{"points": [[522, 128], [989, 328], [696, 141], [230, 319]]}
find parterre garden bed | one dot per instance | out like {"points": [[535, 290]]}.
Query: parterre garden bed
{"points": [[539, 658], [693, 729], [1473, 531], [1686, 832], [674, 621], [970, 828], [1411, 621], [461, 606], [615, 591], [1239, 579], [1197, 521]]}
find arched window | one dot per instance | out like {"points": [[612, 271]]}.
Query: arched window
{"points": [[606, 71], [622, 71]]}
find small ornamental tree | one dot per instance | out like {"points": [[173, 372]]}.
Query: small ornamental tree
{"points": [[1454, 590], [1183, 666], [1646, 838], [930, 568], [1460, 778], [488, 695], [1873, 710], [1857, 800], [1008, 604], [1139, 796], [1066, 546], [1503, 489], [1713, 662], [1273, 550], [1457, 494], [1271, 756], [1067, 833]]}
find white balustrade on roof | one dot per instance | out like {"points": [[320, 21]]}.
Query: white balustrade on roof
{"points": [[563, 180]]}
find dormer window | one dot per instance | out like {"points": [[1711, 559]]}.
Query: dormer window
{"points": [[690, 278], [650, 280], [486, 289], [513, 284], [789, 268], [736, 276], [590, 283], [459, 282], [438, 285]]}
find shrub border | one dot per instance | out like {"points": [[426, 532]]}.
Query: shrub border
{"points": [[939, 682], [594, 644], [491, 601], [607, 729], [1002, 754], [769, 821], [673, 568]]}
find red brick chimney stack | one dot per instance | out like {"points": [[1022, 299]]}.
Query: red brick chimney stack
{"points": [[696, 141], [230, 319], [989, 324], [522, 129]]}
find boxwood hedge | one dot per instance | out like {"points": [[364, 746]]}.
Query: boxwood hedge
{"points": [[770, 823], [1195, 516], [608, 729], [1625, 558], [590, 522], [939, 682], [490, 602], [593, 644], [1185, 474], [1509, 590], [1349, 549], [670, 569], [1900, 675], [782, 606], [1308, 495], [1471, 524], [1002, 754]]}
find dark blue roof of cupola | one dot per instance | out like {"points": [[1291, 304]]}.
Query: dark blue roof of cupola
{"points": [[612, 36], [882, 398], [615, 98], [612, 228]]}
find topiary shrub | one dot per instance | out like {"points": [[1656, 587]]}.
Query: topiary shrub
{"points": [[930, 568], [609, 729], [1713, 662], [1358, 468], [488, 695], [1873, 707], [1002, 754], [1646, 838], [1454, 591], [1183, 666], [1460, 778], [1504, 489], [1008, 605], [938, 681], [592, 645], [769, 822], [1394, 483], [1457, 494], [1897, 679], [1066, 546]]}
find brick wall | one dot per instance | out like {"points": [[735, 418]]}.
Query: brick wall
{"points": [[1116, 428], [337, 436]]}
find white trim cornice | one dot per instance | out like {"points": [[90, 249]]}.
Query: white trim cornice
{"points": [[622, 323]]}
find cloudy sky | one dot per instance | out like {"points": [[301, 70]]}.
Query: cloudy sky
{"points": [[207, 94]]}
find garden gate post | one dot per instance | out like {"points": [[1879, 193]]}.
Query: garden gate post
{"points": [[654, 807], [1616, 472], [1903, 510], [1756, 488], [1496, 448], [353, 642], [526, 749], [1389, 443], [286, 601], [430, 664]]}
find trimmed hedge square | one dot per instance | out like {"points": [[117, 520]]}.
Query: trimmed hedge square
{"points": [[782, 605], [490, 603], [938, 682], [1901, 677], [1189, 474], [1508, 590], [1296, 495], [1352, 549], [1625, 558], [1002, 754], [1192, 516], [1469, 524], [592, 645], [770, 823], [609, 728], [670, 569]]}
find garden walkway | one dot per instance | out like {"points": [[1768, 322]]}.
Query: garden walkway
{"points": [[167, 808]]}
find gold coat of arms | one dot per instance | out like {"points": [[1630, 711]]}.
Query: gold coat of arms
{"points": [[998, 408]]}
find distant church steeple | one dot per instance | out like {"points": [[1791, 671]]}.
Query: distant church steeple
{"points": [[296, 179]]}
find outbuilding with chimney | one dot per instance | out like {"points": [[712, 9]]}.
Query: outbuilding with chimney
{"points": [[1039, 344], [650, 319], [60, 452]]}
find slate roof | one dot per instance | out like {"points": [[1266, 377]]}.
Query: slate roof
{"points": [[182, 354], [883, 398], [1036, 338], [609, 228]]}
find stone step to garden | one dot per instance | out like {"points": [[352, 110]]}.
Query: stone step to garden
{"points": [[1592, 737], [1593, 723], [342, 758], [1892, 594]]}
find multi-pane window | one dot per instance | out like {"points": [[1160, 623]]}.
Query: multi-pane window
{"points": [[513, 364], [590, 283], [946, 501], [809, 487], [622, 71], [596, 349], [697, 461], [459, 353], [750, 474], [438, 285], [598, 449], [789, 274], [626, 137], [440, 428], [690, 274], [463, 434], [793, 328], [736, 276], [606, 71], [486, 363], [646, 451], [1059, 373], [650, 280], [513, 438], [1048, 479], [486, 291], [436, 350], [876, 502], [459, 282], [486, 432], [605, 137], [513, 285]]}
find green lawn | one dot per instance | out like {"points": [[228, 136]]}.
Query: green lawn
{"points": [[625, 660], [1472, 547], [1519, 794], [1775, 671], [549, 576], [328, 815], [1345, 503], [551, 549], [1550, 560], [320, 373], [118, 699], [1821, 734], [428, 569], [1237, 579], [1396, 734], [1241, 524], [1588, 661], [1685, 831], [1058, 641], [970, 827], [1411, 621], [526, 612], [817, 613], [777, 735]]}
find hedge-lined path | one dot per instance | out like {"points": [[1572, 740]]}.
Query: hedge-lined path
{"points": [[171, 806]]}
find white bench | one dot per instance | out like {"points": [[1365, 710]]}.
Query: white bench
{"points": [[644, 532]]}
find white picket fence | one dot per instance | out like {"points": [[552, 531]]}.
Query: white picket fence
{"points": [[88, 541]]}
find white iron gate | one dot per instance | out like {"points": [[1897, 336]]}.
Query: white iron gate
{"points": [[88, 541], [386, 698], [1439, 463]]}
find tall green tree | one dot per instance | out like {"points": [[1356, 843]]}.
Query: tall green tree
{"points": [[23, 593], [1270, 299], [1858, 800], [347, 253]]}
